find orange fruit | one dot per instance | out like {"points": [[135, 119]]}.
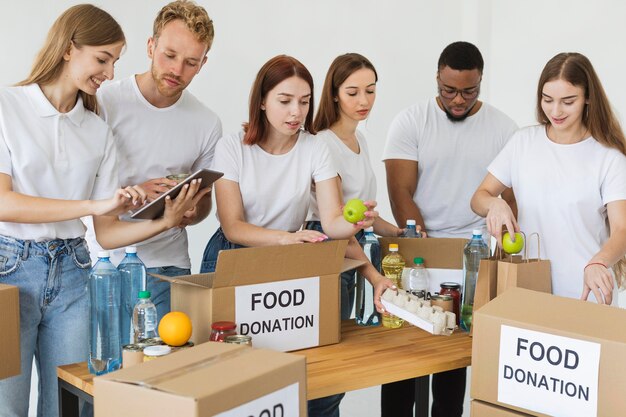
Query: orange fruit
{"points": [[175, 328]]}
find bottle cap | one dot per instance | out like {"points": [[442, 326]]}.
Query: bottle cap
{"points": [[393, 247], [144, 294], [157, 350], [131, 249], [103, 254], [410, 222], [223, 325], [369, 229], [418, 261], [477, 232]]}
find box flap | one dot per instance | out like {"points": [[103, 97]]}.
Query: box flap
{"points": [[443, 253], [9, 331], [196, 280], [567, 315], [275, 263], [349, 264], [185, 372]]}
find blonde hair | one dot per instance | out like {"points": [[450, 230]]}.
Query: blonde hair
{"points": [[195, 18], [80, 25]]}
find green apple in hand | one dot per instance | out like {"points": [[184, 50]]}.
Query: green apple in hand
{"points": [[511, 247], [354, 210]]}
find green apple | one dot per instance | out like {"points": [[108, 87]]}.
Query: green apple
{"points": [[511, 247], [354, 210]]}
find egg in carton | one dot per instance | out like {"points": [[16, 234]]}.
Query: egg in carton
{"points": [[419, 312]]}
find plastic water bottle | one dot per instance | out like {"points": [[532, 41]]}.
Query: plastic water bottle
{"points": [[475, 250], [144, 318], [365, 310], [133, 273], [105, 347], [419, 279], [393, 264], [410, 230]]}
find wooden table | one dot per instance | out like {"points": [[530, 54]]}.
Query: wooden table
{"points": [[365, 357]]}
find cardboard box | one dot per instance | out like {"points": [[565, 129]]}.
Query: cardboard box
{"points": [[442, 257], [285, 297], [10, 331], [482, 409], [548, 355], [212, 379]]}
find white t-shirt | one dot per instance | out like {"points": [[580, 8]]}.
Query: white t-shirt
{"points": [[354, 169], [154, 142], [562, 192], [452, 161], [275, 189], [68, 156]]}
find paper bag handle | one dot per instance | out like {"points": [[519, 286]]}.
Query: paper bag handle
{"points": [[526, 259]]}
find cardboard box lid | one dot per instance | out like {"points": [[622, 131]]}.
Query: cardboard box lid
{"points": [[185, 372], [444, 253], [569, 316], [272, 263]]}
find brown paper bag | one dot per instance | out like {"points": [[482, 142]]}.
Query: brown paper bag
{"points": [[486, 281], [530, 273]]}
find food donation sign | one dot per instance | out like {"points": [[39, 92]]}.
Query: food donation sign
{"points": [[549, 374]]}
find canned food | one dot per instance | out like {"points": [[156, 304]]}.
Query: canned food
{"points": [[454, 290], [239, 339], [132, 354], [221, 329], [151, 341], [442, 300], [156, 351], [185, 346]]}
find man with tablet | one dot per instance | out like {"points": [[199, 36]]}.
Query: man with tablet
{"points": [[161, 129]]}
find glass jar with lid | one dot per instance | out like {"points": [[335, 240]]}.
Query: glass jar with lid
{"points": [[221, 329], [454, 290]]}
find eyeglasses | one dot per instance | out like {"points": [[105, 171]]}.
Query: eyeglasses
{"points": [[451, 93]]}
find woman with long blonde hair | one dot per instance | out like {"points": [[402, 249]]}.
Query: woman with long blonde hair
{"points": [[58, 164], [569, 178]]}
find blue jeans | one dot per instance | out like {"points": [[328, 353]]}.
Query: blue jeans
{"points": [[217, 243], [54, 310], [160, 290]]}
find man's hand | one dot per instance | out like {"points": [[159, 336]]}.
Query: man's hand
{"points": [[157, 186]]}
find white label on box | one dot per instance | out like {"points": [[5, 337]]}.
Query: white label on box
{"points": [[282, 403], [549, 374], [281, 315]]}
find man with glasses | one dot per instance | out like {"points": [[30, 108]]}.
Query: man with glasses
{"points": [[436, 155]]}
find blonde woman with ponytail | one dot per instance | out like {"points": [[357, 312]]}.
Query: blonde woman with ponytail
{"points": [[569, 178], [58, 164]]}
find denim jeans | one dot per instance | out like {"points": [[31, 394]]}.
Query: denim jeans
{"points": [[217, 243], [54, 310], [160, 290]]}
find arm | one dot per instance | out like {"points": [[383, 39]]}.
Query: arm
{"points": [[383, 228], [20, 208], [328, 194], [401, 185], [114, 233], [237, 230], [597, 278], [509, 197], [485, 203], [378, 281]]}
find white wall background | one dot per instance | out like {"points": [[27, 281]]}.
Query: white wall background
{"points": [[403, 38]]}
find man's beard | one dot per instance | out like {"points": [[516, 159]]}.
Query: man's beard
{"points": [[454, 118]]}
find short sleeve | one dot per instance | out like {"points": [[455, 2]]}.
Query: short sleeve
{"points": [[107, 179], [205, 160], [324, 167], [402, 137], [228, 156], [6, 167], [613, 186], [500, 167]]}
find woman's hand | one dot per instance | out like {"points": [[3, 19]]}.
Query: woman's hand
{"points": [[380, 285], [370, 216], [303, 236], [123, 200], [597, 279], [186, 200], [499, 215]]}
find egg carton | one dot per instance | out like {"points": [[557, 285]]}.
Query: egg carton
{"points": [[419, 312]]}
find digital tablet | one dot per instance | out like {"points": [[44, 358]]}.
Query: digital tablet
{"points": [[156, 208]]}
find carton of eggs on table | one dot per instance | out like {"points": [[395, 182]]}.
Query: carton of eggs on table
{"points": [[419, 312]]}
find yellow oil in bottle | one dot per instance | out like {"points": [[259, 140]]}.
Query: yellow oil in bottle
{"points": [[393, 264]]}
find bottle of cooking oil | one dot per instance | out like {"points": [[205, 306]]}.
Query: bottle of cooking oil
{"points": [[393, 264]]}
